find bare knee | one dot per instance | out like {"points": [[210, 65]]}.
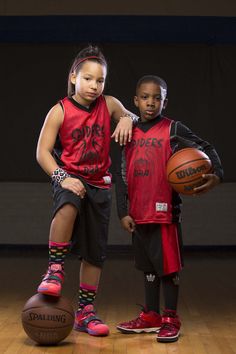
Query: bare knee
{"points": [[67, 213]]}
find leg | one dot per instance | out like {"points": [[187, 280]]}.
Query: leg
{"points": [[60, 235], [170, 328], [89, 273], [63, 223], [86, 319], [152, 291], [170, 284], [92, 246], [89, 280], [149, 320], [146, 243]]}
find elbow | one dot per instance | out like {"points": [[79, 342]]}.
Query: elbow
{"points": [[38, 155]]}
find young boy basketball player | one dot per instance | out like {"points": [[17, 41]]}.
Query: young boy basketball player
{"points": [[153, 216]]}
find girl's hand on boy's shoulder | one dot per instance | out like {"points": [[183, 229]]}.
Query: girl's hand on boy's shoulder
{"points": [[123, 131], [210, 181], [128, 223], [74, 185]]}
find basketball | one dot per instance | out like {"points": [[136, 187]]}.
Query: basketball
{"points": [[46, 319], [185, 169]]}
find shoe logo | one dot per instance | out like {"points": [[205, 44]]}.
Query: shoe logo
{"points": [[150, 277]]}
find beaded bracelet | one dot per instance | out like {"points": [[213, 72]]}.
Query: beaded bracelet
{"points": [[59, 175]]}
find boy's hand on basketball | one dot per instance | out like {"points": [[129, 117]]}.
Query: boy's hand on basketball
{"points": [[123, 131], [128, 223], [210, 180], [74, 185]]}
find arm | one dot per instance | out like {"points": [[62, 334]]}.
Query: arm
{"points": [[47, 139], [122, 195], [182, 136], [123, 117], [45, 146]]}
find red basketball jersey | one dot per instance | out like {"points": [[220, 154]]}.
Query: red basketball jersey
{"points": [[150, 195], [84, 142]]}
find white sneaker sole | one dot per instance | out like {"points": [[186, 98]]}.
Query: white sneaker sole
{"points": [[138, 330]]}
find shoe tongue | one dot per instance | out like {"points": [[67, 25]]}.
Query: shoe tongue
{"points": [[89, 308], [169, 313], [143, 308], [55, 267]]}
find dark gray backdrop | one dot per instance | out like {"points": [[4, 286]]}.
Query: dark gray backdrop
{"points": [[201, 80], [195, 55]]}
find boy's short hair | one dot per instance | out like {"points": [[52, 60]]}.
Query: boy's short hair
{"points": [[151, 78]]}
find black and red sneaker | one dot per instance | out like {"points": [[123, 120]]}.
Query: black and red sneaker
{"points": [[147, 321], [170, 328]]}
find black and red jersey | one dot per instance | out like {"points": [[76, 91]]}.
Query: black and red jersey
{"points": [[83, 143], [180, 136], [150, 194]]}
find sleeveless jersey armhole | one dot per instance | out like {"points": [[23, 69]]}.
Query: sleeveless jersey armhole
{"points": [[62, 107], [63, 111], [104, 97]]}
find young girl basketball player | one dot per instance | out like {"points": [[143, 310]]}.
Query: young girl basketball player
{"points": [[73, 149], [154, 208]]}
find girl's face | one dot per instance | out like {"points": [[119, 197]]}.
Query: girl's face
{"points": [[151, 100], [89, 82]]}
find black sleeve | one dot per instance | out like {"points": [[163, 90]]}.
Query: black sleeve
{"points": [[182, 136], [121, 186]]}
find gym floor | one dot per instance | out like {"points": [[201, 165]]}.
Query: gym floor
{"points": [[207, 305]]}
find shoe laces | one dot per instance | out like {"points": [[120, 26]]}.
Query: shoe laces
{"points": [[135, 321], [143, 308], [89, 313], [167, 326], [52, 275], [138, 319], [169, 313]]}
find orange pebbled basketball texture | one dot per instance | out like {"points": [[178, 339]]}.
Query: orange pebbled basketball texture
{"points": [[185, 169]]}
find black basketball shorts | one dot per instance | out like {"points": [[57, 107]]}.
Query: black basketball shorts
{"points": [[90, 233], [152, 254]]}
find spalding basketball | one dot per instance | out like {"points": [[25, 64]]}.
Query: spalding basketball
{"points": [[47, 319], [185, 169]]}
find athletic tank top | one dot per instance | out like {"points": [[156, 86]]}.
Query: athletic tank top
{"points": [[83, 143], [150, 195]]}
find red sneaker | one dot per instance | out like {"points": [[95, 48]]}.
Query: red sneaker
{"points": [[170, 328], [52, 281], [87, 321], [147, 321]]}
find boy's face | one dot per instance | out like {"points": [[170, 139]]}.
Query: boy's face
{"points": [[150, 100]]}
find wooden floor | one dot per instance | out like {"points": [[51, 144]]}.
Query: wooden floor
{"points": [[207, 306]]}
